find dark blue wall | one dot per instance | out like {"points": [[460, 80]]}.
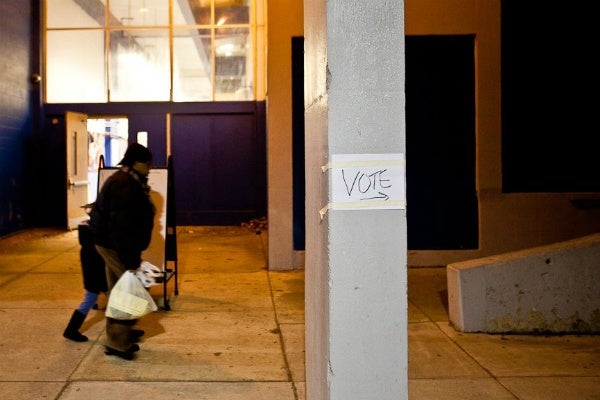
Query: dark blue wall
{"points": [[32, 143], [218, 150], [18, 98]]}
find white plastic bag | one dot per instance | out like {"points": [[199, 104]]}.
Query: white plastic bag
{"points": [[129, 299]]}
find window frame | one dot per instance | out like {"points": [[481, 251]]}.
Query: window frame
{"points": [[253, 54]]}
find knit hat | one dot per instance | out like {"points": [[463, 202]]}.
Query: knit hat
{"points": [[136, 153]]}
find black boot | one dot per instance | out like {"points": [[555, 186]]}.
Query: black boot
{"points": [[126, 355], [72, 330], [135, 335]]}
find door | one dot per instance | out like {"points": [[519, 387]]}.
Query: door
{"points": [[77, 167], [440, 143], [217, 159], [298, 148]]}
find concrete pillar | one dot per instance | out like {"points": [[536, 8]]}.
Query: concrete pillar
{"points": [[284, 22], [356, 304]]}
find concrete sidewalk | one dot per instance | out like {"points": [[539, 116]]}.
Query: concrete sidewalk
{"points": [[236, 331]]}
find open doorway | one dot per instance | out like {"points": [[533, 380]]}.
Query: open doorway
{"points": [[108, 138], [440, 142]]}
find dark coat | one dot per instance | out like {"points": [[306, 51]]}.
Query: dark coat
{"points": [[123, 215], [92, 264]]}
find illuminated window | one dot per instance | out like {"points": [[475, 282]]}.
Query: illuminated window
{"points": [[153, 50]]}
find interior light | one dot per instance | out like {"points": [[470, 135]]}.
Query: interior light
{"points": [[221, 21], [142, 138], [226, 49]]}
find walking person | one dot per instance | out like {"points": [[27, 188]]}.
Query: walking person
{"points": [[94, 279], [123, 215]]}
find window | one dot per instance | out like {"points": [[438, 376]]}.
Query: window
{"points": [[549, 76], [99, 51]]}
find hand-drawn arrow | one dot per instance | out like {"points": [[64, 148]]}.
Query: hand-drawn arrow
{"points": [[383, 196]]}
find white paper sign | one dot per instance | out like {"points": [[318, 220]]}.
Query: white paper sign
{"points": [[367, 181]]}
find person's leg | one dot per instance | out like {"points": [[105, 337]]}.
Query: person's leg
{"points": [[118, 332], [113, 266], [72, 330], [88, 302], [118, 335], [135, 335]]}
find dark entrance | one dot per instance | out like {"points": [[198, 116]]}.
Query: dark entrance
{"points": [[440, 143], [298, 141]]}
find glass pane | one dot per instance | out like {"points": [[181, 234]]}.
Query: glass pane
{"points": [[68, 14], [75, 67], [139, 65], [260, 86], [191, 12], [233, 62], [232, 12], [192, 67], [139, 12]]}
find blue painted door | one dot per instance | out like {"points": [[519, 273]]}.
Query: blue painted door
{"points": [[217, 168]]}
